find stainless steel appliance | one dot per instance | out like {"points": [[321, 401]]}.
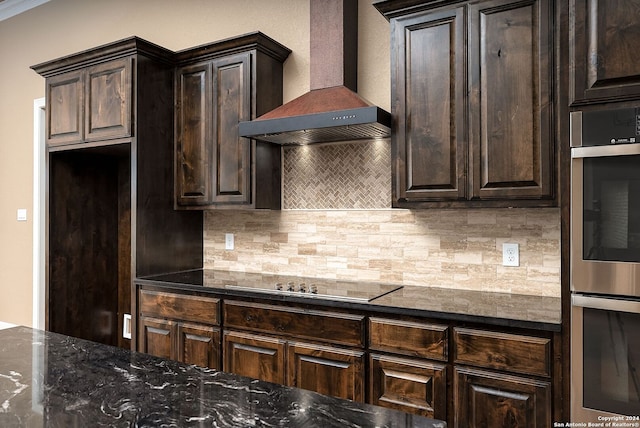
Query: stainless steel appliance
{"points": [[605, 266]]}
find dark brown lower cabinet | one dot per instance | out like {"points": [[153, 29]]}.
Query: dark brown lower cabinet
{"points": [[467, 375], [254, 356], [328, 370], [408, 384], [180, 327], [488, 399], [186, 342], [305, 347]]}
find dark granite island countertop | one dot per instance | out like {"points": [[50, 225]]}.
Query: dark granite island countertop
{"points": [[50, 380]]}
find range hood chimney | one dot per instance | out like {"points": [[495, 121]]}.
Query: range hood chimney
{"points": [[332, 110]]}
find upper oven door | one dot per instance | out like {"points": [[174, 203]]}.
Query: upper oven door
{"points": [[605, 216]]}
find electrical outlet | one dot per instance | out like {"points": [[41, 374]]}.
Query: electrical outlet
{"points": [[510, 255], [126, 326], [228, 241]]}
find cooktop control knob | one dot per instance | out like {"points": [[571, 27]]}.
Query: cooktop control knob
{"points": [[279, 286], [291, 286], [313, 289], [302, 287]]}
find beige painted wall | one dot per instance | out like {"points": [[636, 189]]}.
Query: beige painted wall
{"points": [[62, 27]]}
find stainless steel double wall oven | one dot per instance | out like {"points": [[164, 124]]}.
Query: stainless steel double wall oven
{"points": [[605, 265]]}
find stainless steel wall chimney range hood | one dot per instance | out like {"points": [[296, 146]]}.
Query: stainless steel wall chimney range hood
{"points": [[332, 110]]}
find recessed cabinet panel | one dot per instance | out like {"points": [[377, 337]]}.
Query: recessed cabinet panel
{"points": [[260, 357], [510, 99], [108, 104], [409, 385], [429, 148], [605, 37], [231, 105], [156, 337], [193, 153], [485, 399], [327, 370], [64, 110], [199, 345]]}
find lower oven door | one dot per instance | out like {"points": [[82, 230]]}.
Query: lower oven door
{"points": [[605, 359]]}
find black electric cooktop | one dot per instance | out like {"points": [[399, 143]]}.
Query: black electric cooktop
{"points": [[313, 288]]}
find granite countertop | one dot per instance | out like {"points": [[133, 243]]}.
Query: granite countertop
{"points": [[512, 310], [51, 380]]}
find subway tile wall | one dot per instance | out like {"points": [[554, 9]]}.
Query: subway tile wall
{"points": [[319, 234]]}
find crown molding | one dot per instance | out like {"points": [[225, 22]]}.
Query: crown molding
{"points": [[9, 8]]}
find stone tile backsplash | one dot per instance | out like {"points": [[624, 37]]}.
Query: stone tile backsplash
{"points": [[337, 222], [459, 248]]}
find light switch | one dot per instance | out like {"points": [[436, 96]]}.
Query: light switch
{"points": [[22, 214]]}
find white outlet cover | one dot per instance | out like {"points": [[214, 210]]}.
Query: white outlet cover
{"points": [[228, 241], [510, 254]]}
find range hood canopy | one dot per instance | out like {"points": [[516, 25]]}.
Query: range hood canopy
{"points": [[332, 110]]}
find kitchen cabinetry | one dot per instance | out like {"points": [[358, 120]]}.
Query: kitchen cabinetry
{"points": [[485, 395], [471, 88], [322, 351], [180, 327], [413, 378], [468, 374], [90, 104], [604, 38], [110, 209], [217, 86]]}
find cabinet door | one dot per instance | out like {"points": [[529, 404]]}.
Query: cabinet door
{"points": [[410, 385], [232, 169], [486, 399], [64, 110], [428, 80], [156, 337], [108, 103], [194, 167], [199, 345], [259, 357], [605, 38], [327, 370], [511, 135]]}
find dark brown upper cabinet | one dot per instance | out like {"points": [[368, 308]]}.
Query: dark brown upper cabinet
{"points": [[90, 104], [604, 38], [217, 86], [471, 87]]}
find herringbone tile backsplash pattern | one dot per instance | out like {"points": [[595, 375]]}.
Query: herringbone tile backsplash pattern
{"points": [[353, 175]]}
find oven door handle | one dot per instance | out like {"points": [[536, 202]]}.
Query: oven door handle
{"points": [[619, 305], [605, 151]]}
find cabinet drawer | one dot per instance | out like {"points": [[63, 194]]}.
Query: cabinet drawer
{"points": [[503, 351], [329, 327], [200, 309], [409, 338]]}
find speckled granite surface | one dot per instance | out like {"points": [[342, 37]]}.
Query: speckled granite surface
{"points": [[515, 310], [50, 380]]}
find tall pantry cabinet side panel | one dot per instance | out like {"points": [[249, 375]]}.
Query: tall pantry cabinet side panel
{"points": [[165, 239]]}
